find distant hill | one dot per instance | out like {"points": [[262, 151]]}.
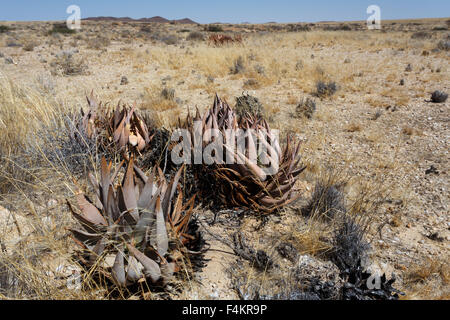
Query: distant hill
{"points": [[185, 21], [156, 19]]}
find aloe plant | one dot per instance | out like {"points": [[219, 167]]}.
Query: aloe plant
{"points": [[122, 128], [245, 182], [141, 223]]}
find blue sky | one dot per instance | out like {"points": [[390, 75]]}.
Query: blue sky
{"points": [[233, 11]]}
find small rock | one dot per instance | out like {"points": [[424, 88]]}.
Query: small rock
{"points": [[435, 236], [439, 97], [123, 81], [432, 169]]}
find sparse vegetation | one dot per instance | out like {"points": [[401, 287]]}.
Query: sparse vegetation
{"points": [[61, 28], [238, 66], [69, 65], [324, 89], [291, 233], [305, 108], [195, 36], [213, 28], [4, 29], [247, 104]]}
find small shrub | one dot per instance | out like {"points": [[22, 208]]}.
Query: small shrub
{"points": [[61, 28], [146, 29], [30, 45], [98, 43], [248, 104], [67, 65], [305, 108], [213, 28], [440, 28], [444, 45], [325, 89], [298, 27], [327, 200], [238, 66], [195, 36], [4, 29], [170, 40], [251, 84], [350, 249], [353, 127], [341, 27], [421, 35], [168, 94], [299, 65]]}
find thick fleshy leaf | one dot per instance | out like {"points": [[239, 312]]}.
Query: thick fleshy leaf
{"points": [[88, 225], [118, 270], [134, 270], [170, 192], [162, 240], [147, 192], [151, 268], [97, 251], [129, 193], [105, 181], [89, 211]]}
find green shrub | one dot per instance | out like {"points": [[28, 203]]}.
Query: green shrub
{"points": [[4, 29], [61, 28]]}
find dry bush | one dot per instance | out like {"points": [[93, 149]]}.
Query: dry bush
{"points": [[37, 265], [4, 29], [238, 66], [353, 127], [22, 113], [30, 44], [305, 108], [325, 89], [61, 28], [161, 105], [98, 43], [195, 36], [69, 65], [428, 280]]}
